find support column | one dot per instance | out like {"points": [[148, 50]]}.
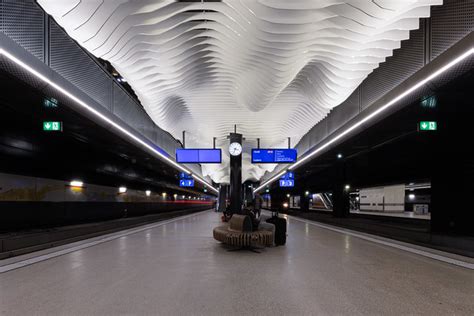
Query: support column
{"points": [[340, 201], [304, 201], [236, 177], [452, 183], [277, 200], [222, 198], [340, 196]]}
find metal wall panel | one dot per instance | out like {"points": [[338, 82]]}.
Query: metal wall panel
{"points": [[126, 109], [344, 112], [404, 63], [450, 23], [75, 65], [24, 23]]}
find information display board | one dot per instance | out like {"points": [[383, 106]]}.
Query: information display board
{"points": [[274, 155], [197, 155]]}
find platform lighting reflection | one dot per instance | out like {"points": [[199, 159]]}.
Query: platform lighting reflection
{"points": [[76, 184], [101, 116], [372, 115], [163, 194], [148, 192], [175, 195], [122, 189]]}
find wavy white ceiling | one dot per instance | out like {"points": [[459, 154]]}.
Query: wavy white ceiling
{"points": [[273, 67]]}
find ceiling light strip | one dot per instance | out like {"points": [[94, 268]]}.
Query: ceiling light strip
{"points": [[103, 117], [374, 114]]}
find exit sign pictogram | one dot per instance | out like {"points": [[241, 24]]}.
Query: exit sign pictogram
{"points": [[428, 126], [52, 126]]}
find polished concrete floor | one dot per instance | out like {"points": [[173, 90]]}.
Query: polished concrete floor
{"points": [[178, 269]]}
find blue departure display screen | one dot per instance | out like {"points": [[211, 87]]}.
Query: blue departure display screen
{"points": [[274, 155], [196, 155], [187, 155], [186, 182], [287, 183]]}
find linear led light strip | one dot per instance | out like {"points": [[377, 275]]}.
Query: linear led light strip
{"points": [[102, 117], [370, 116]]}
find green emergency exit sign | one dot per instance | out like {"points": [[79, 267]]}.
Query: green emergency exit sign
{"points": [[51, 126], [428, 126]]}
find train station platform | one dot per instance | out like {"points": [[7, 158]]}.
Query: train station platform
{"points": [[175, 267]]}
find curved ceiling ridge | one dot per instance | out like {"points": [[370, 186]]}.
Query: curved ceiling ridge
{"points": [[273, 67]]}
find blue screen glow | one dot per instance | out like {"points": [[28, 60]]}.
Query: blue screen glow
{"points": [[210, 156], [288, 176], [287, 183], [186, 183], [184, 175], [274, 155], [196, 155]]}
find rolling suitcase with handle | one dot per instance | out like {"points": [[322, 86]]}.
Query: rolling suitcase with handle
{"points": [[280, 228]]}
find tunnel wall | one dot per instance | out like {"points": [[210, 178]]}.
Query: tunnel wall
{"points": [[25, 23], [447, 25], [30, 202]]}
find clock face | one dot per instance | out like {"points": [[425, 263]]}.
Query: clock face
{"points": [[235, 149]]}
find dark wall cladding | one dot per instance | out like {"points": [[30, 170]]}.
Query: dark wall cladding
{"points": [[24, 23], [75, 65], [27, 24], [402, 64], [343, 114], [450, 23]]}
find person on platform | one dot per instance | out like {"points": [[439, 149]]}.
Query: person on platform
{"points": [[257, 202]]}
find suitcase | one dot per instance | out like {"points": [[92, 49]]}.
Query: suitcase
{"points": [[280, 229]]}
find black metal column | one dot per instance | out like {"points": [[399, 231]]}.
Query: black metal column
{"points": [[304, 201], [452, 183], [340, 195], [236, 177], [222, 198], [340, 201], [278, 198]]}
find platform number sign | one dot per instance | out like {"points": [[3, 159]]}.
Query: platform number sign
{"points": [[186, 183], [287, 183], [52, 126], [428, 126]]}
